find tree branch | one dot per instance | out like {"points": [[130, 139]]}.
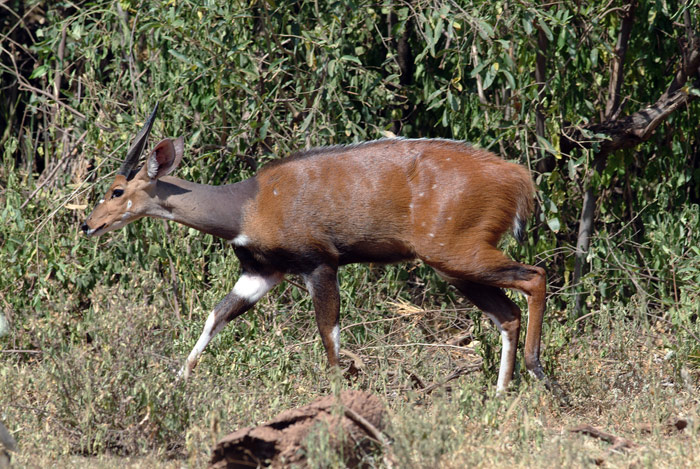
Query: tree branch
{"points": [[630, 131], [544, 163], [616, 77]]}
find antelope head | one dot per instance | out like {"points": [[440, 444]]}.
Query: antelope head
{"points": [[129, 195]]}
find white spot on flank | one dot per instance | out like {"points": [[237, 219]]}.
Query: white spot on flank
{"points": [[449, 218], [448, 159], [274, 192], [442, 244], [335, 335], [420, 194], [410, 205], [432, 235], [252, 287], [240, 240], [434, 186]]}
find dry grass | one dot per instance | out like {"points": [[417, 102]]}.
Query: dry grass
{"points": [[102, 392]]}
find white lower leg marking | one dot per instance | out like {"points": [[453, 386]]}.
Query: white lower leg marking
{"points": [[252, 287], [506, 348], [503, 374], [204, 338], [199, 347], [335, 335]]}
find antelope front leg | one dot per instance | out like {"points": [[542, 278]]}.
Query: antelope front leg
{"points": [[249, 288]]}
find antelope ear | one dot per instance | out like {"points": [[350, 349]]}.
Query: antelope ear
{"points": [[165, 157]]}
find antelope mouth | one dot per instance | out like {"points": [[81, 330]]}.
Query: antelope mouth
{"points": [[92, 231]]}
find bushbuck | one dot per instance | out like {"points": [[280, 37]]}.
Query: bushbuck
{"points": [[391, 200]]}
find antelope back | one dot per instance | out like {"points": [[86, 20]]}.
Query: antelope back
{"points": [[387, 200]]}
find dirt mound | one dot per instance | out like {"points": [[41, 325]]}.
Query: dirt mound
{"points": [[353, 420]]}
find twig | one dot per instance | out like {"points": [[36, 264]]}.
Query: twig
{"points": [[455, 374], [33, 352], [54, 170], [587, 315], [617, 442], [674, 325], [372, 431], [357, 361], [58, 73], [423, 344], [23, 85], [45, 219]]}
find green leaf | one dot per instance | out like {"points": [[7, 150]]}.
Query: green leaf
{"points": [[490, 75], [545, 29], [544, 143], [437, 32], [476, 70], [179, 56], [40, 71], [454, 104], [511, 80], [485, 29], [307, 121], [351, 58], [554, 224]]}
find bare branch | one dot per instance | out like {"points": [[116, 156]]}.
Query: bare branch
{"points": [[479, 82], [540, 78], [618, 442], [630, 131], [24, 85], [616, 75], [689, 68], [58, 74]]}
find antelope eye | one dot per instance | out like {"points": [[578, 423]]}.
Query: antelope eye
{"points": [[117, 193]]}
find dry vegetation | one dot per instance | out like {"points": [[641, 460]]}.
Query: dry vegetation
{"points": [[101, 391]]}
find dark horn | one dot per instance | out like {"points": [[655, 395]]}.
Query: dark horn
{"points": [[132, 156]]}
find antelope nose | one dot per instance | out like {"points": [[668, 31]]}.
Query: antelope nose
{"points": [[84, 227]]}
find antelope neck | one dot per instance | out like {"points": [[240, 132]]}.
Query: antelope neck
{"points": [[216, 210]]}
